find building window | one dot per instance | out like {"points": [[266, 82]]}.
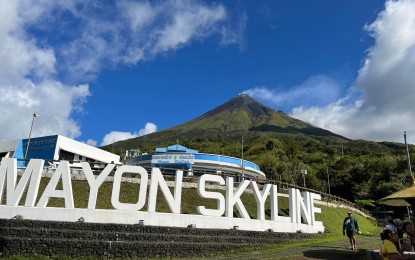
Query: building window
{"points": [[65, 155]]}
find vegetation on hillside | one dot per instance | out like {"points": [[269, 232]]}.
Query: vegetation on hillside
{"points": [[284, 147], [359, 171]]}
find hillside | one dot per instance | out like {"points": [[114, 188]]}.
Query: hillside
{"points": [[240, 116], [357, 170]]}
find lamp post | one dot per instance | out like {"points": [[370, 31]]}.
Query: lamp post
{"points": [[328, 178], [408, 157], [30, 133], [304, 172], [242, 161]]}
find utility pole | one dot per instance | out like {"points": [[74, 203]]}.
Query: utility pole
{"points": [[407, 155], [242, 160], [328, 178], [30, 133], [304, 172]]}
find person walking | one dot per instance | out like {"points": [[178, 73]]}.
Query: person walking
{"points": [[350, 227]]}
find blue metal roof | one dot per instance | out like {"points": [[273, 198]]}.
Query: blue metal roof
{"points": [[175, 148]]}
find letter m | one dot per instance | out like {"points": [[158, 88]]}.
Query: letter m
{"points": [[8, 178]]}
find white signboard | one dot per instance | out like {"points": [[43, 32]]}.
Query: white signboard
{"points": [[301, 217], [183, 158]]}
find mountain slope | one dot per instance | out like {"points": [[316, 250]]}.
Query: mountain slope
{"points": [[240, 116]]}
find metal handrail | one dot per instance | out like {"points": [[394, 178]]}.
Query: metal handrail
{"points": [[328, 197]]}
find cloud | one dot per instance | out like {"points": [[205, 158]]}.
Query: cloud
{"points": [[91, 142], [148, 129], [386, 82], [27, 79], [317, 90], [138, 31], [115, 136], [189, 20], [46, 69]]}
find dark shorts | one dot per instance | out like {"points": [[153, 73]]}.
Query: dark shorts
{"points": [[350, 233]]}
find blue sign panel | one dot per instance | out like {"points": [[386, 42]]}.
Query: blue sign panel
{"points": [[40, 147]]}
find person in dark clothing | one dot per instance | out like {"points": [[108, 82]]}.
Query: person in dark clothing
{"points": [[350, 227]]}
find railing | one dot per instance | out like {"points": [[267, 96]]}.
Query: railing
{"points": [[282, 185]]}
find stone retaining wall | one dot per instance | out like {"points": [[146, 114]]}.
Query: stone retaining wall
{"points": [[29, 237]]}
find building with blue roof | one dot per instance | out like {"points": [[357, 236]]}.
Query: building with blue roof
{"points": [[193, 163]]}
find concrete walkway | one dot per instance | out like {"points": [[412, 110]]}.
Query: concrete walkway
{"points": [[337, 250]]}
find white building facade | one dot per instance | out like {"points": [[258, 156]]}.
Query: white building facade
{"points": [[54, 148]]}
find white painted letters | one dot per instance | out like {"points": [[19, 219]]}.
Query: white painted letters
{"points": [[14, 193], [95, 183], [235, 198], [61, 173], [260, 198], [301, 206], [157, 179], [274, 206], [116, 188], [201, 190]]}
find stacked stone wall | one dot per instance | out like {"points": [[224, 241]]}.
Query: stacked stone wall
{"points": [[50, 238]]}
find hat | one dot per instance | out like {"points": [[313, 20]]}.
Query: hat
{"points": [[349, 212], [397, 221]]}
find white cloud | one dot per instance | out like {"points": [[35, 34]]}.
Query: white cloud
{"points": [[91, 142], [50, 50], [187, 22], [317, 90], [148, 129], [27, 79], [137, 31], [234, 32], [386, 82], [115, 136], [378, 105]]}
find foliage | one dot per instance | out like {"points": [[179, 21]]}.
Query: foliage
{"points": [[366, 203], [358, 174], [284, 147]]}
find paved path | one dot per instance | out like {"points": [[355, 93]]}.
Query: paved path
{"points": [[337, 250]]}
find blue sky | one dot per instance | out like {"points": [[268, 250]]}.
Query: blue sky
{"points": [[101, 71]]}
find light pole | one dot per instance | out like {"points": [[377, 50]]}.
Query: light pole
{"points": [[328, 179], [30, 133], [408, 157], [304, 172], [242, 160]]}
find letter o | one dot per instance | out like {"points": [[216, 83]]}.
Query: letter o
{"points": [[116, 188]]}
